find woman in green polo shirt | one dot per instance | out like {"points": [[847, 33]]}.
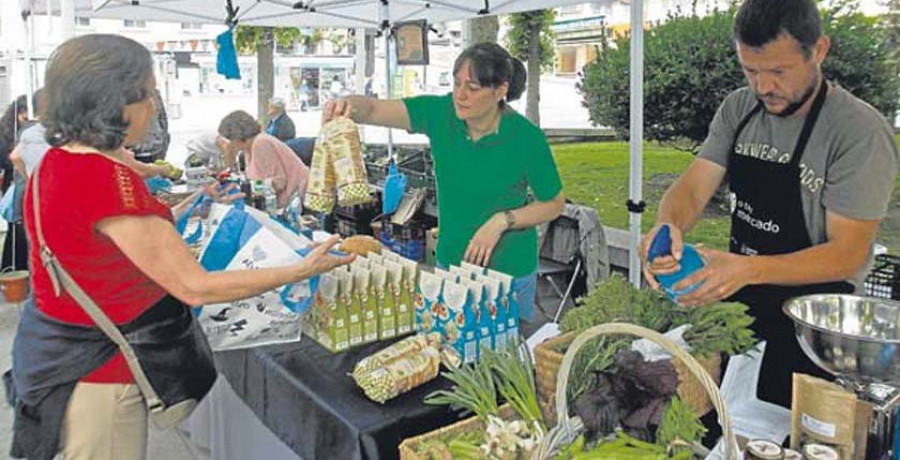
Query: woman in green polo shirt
{"points": [[486, 159]]}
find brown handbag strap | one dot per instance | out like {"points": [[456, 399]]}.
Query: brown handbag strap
{"points": [[62, 280]]}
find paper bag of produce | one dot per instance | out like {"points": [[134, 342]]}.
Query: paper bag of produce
{"points": [[822, 413]]}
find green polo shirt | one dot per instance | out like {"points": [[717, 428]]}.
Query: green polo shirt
{"points": [[475, 180]]}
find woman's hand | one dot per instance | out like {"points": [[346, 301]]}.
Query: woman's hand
{"points": [[320, 260], [223, 194], [482, 245], [336, 108]]}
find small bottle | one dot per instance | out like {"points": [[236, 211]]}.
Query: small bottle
{"points": [[761, 449], [271, 197]]}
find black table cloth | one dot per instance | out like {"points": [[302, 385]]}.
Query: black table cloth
{"points": [[305, 395]]}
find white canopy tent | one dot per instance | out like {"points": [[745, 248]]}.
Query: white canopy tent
{"points": [[380, 14]]}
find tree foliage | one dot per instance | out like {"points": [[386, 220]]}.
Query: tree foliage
{"points": [[518, 36], [247, 39], [690, 65]]}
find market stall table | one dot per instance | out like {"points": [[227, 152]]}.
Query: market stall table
{"points": [[305, 396]]}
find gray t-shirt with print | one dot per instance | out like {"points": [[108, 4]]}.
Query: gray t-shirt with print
{"points": [[848, 167]]}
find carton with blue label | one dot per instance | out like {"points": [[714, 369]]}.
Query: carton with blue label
{"points": [[428, 303], [473, 269], [492, 302], [461, 332], [486, 326], [509, 302]]}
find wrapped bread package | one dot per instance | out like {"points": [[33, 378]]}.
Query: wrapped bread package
{"points": [[322, 182], [399, 368], [337, 167]]}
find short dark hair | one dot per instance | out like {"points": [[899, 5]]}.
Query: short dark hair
{"points": [[89, 81], [491, 65], [238, 125], [9, 121], [760, 21]]}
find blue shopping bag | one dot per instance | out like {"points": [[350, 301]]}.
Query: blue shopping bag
{"points": [[236, 237], [394, 187]]}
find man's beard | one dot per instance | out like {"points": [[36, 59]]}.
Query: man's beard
{"points": [[793, 107]]}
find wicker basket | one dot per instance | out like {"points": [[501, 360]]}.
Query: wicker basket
{"points": [[409, 446], [567, 429], [548, 361]]}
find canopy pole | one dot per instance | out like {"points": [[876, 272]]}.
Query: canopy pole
{"points": [[635, 194], [386, 31], [67, 16]]}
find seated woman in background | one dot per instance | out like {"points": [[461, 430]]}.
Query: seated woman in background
{"points": [[266, 157]]}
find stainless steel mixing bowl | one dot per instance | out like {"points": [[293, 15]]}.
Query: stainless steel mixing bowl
{"points": [[852, 337]]}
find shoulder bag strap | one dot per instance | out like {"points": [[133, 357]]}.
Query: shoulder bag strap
{"points": [[61, 279]]}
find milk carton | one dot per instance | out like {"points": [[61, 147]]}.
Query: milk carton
{"points": [[508, 301], [486, 328], [446, 275], [461, 332], [460, 273], [375, 259], [331, 315], [428, 303], [492, 302], [354, 308], [387, 319], [362, 281], [404, 311], [472, 268]]}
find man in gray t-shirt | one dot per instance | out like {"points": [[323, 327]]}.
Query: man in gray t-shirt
{"points": [[811, 169], [848, 167]]}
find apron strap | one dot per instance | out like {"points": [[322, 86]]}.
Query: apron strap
{"points": [[810, 122], [743, 124]]}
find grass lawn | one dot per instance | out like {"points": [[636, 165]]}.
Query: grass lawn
{"points": [[596, 174]]}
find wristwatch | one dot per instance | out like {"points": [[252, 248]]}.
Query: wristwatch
{"points": [[510, 219]]}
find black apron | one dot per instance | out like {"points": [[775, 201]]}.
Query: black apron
{"points": [[770, 192]]}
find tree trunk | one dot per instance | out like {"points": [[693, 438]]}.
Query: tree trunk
{"points": [[265, 81], [481, 29], [533, 100]]}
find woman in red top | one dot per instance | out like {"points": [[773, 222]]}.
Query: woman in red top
{"points": [[113, 237]]}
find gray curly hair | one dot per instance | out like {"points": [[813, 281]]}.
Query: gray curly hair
{"points": [[238, 125]]}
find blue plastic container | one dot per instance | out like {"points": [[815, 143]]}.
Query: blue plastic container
{"points": [[690, 262]]}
